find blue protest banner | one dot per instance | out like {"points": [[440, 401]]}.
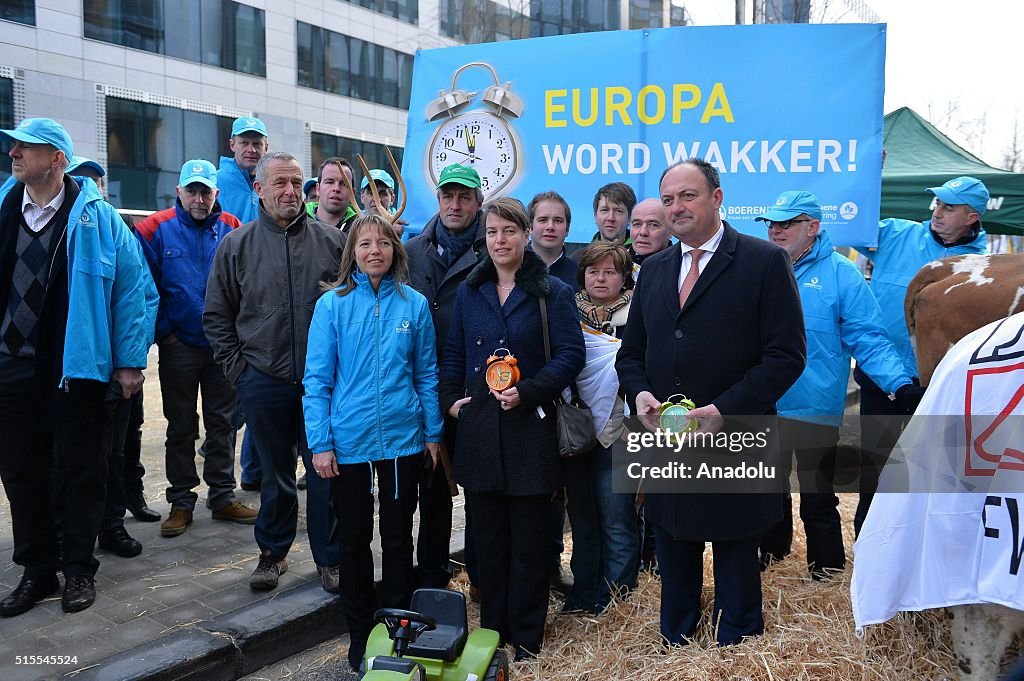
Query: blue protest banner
{"points": [[773, 107]]}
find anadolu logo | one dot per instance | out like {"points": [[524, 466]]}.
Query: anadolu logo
{"points": [[848, 210]]}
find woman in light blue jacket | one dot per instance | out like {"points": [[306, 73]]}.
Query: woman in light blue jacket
{"points": [[371, 409]]}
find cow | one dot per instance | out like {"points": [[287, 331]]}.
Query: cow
{"points": [[946, 300]]}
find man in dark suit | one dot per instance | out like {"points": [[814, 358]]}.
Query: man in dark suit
{"points": [[717, 317]]}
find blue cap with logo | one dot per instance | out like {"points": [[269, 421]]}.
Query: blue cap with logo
{"points": [[964, 190], [199, 171], [248, 124], [83, 162], [378, 175], [43, 131], [791, 205], [307, 186]]}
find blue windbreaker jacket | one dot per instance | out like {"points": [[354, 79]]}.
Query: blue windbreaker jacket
{"points": [[841, 318], [180, 254], [237, 195], [112, 300], [371, 374], [904, 247]]}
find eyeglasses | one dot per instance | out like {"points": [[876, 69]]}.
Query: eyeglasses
{"points": [[787, 224]]}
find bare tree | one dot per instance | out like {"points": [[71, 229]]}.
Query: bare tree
{"points": [[951, 118], [1013, 158]]}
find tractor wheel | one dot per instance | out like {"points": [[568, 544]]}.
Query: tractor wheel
{"points": [[498, 669]]}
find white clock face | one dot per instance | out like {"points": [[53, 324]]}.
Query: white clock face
{"points": [[480, 140]]}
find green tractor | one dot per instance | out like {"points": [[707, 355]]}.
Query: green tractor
{"points": [[431, 642]]}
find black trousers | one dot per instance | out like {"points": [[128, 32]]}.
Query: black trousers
{"points": [[881, 423], [81, 446], [513, 553], [814, 447], [435, 532], [352, 496], [737, 611]]}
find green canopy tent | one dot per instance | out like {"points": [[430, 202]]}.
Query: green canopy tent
{"points": [[919, 156]]}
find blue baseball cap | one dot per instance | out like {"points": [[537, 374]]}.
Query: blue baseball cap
{"points": [[308, 185], [379, 176], [83, 162], [43, 131], [199, 171], [790, 205], [248, 124], [964, 190]]}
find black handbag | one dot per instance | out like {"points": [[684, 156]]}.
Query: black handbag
{"points": [[573, 419]]}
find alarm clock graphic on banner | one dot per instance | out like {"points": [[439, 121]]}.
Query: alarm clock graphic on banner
{"points": [[482, 138]]}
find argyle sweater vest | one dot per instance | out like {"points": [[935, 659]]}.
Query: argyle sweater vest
{"points": [[33, 256]]}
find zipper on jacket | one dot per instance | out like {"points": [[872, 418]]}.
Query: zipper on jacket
{"points": [[376, 324], [291, 301]]}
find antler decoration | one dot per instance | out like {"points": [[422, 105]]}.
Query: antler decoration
{"points": [[351, 192], [373, 185]]}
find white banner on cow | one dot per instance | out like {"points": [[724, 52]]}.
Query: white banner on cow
{"points": [[958, 536]]}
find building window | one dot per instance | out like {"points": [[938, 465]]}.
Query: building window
{"points": [[325, 146], [6, 123], [482, 21], [21, 11], [147, 144], [786, 11], [559, 17], [348, 66], [214, 32], [404, 10]]}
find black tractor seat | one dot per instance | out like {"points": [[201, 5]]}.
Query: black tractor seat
{"points": [[449, 638]]}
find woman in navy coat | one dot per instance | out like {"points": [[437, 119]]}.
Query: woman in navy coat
{"points": [[506, 450]]}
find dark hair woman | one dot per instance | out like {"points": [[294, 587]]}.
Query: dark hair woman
{"points": [[506, 451]]}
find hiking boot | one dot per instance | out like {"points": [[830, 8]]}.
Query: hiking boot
{"points": [[267, 572], [237, 512], [177, 522]]}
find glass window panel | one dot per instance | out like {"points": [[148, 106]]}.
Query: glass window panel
{"points": [[22, 11], [244, 44], [306, 38], [147, 144], [405, 83], [215, 26], [335, 54], [183, 32], [389, 77]]}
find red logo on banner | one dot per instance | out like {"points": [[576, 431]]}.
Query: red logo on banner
{"points": [[993, 395]]}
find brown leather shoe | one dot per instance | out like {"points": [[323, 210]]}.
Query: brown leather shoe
{"points": [[177, 522], [237, 512]]}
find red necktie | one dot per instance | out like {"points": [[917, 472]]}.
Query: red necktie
{"points": [[691, 276]]}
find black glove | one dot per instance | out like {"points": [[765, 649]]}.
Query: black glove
{"points": [[909, 396]]}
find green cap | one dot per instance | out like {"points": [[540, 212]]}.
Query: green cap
{"points": [[459, 174]]}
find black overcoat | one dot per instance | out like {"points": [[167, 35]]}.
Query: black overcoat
{"points": [[515, 451], [738, 343]]}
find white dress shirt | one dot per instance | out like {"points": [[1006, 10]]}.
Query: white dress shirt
{"points": [[708, 247], [35, 217]]}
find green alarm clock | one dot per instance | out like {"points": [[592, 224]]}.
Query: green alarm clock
{"points": [[673, 415]]}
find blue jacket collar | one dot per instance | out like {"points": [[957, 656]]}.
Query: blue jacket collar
{"points": [[186, 218]]}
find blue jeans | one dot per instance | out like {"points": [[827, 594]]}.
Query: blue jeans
{"points": [[605, 537], [248, 458], [273, 409]]}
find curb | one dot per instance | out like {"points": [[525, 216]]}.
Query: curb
{"points": [[239, 642]]}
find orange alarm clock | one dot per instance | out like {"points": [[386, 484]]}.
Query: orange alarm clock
{"points": [[502, 370]]}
